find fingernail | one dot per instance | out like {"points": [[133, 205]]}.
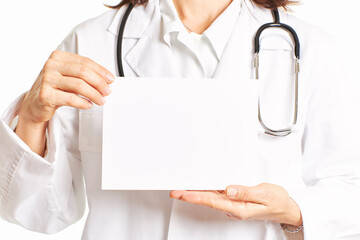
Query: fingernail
{"points": [[231, 192], [110, 78], [107, 91], [175, 194], [90, 104]]}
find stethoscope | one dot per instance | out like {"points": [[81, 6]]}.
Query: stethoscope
{"points": [[276, 24]]}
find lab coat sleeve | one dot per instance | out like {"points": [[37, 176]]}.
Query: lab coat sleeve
{"points": [[42, 194], [330, 202]]}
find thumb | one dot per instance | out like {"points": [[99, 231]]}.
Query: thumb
{"points": [[245, 194]]}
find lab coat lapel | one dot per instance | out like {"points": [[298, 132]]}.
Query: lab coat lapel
{"points": [[137, 22], [148, 57], [237, 59], [151, 57]]}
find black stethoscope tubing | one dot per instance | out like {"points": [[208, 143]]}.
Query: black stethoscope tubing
{"points": [[277, 24], [120, 38]]}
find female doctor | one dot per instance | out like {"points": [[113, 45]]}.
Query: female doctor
{"points": [[50, 136]]}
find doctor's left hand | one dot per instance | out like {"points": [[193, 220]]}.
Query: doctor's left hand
{"points": [[261, 202]]}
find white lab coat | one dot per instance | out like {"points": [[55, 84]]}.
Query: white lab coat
{"points": [[319, 164]]}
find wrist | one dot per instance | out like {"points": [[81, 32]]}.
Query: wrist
{"points": [[32, 134], [29, 114], [28, 123], [26, 116], [294, 215]]}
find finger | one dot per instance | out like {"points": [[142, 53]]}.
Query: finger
{"points": [[198, 197], [210, 199], [242, 210], [177, 194], [70, 99], [78, 86], [72, 65], [232, 217], [80, 60], [87, 74], [247, 194]]}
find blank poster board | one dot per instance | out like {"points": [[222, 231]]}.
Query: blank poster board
{"points": [[176, 133]]}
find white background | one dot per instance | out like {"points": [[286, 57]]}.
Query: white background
{"points": [[31, 30]]}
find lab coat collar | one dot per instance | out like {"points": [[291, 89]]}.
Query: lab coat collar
{"points": [[236, 60], [170, 20], [149, 50], [141, 16], [139, 20], [218, 33], [220, 30]]}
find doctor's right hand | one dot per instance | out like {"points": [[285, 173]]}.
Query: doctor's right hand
{"points": [[63, 78]]}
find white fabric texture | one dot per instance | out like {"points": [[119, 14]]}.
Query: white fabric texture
{"points": [[319, 164], [198, 54]]}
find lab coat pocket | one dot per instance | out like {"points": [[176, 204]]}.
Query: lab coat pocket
{"points": [[277, 84], [90, 131]]}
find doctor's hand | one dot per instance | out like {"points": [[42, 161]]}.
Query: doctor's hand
{"points": [[64, 77], [261, 202]]}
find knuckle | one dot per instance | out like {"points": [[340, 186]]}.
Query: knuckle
{"points": [[212, 203], [78, 84], [82, 72], [263, 185], [46, 78], [69, 99], [244, 194], [99, 84], [55, 54], [84, 61], [43, 95], [50, 64], [265, 191]]}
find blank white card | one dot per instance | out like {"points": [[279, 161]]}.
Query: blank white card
{"points": [[176, 133]]}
